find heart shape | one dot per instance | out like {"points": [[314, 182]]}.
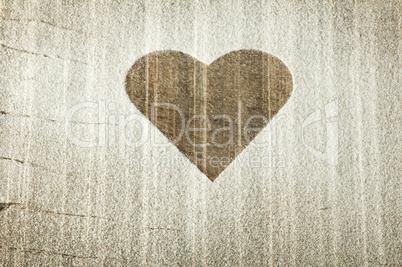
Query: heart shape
{"points": [[210, 112]]}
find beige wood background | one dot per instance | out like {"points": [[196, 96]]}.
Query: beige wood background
{"points": [[67, 204]]}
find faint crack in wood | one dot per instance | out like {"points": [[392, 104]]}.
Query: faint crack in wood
{"points": [[46, 169], [18, 161], [37, 251], [42, 55], [31, 164], [42, 21], [32, 250], [23, 206]]}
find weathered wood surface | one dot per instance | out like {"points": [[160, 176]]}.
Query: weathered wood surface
{"points": [[86, 195]]}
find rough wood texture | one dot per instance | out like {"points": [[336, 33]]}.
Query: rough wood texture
{"points": [[67, 205], [210, 112]]}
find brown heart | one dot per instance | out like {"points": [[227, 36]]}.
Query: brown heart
{"points": [[210, 112]]}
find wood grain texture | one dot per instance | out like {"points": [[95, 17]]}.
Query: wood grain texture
{"points": [[210, 112], [68, 205]]}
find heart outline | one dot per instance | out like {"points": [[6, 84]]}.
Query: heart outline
{"points": [[156, 70]]}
